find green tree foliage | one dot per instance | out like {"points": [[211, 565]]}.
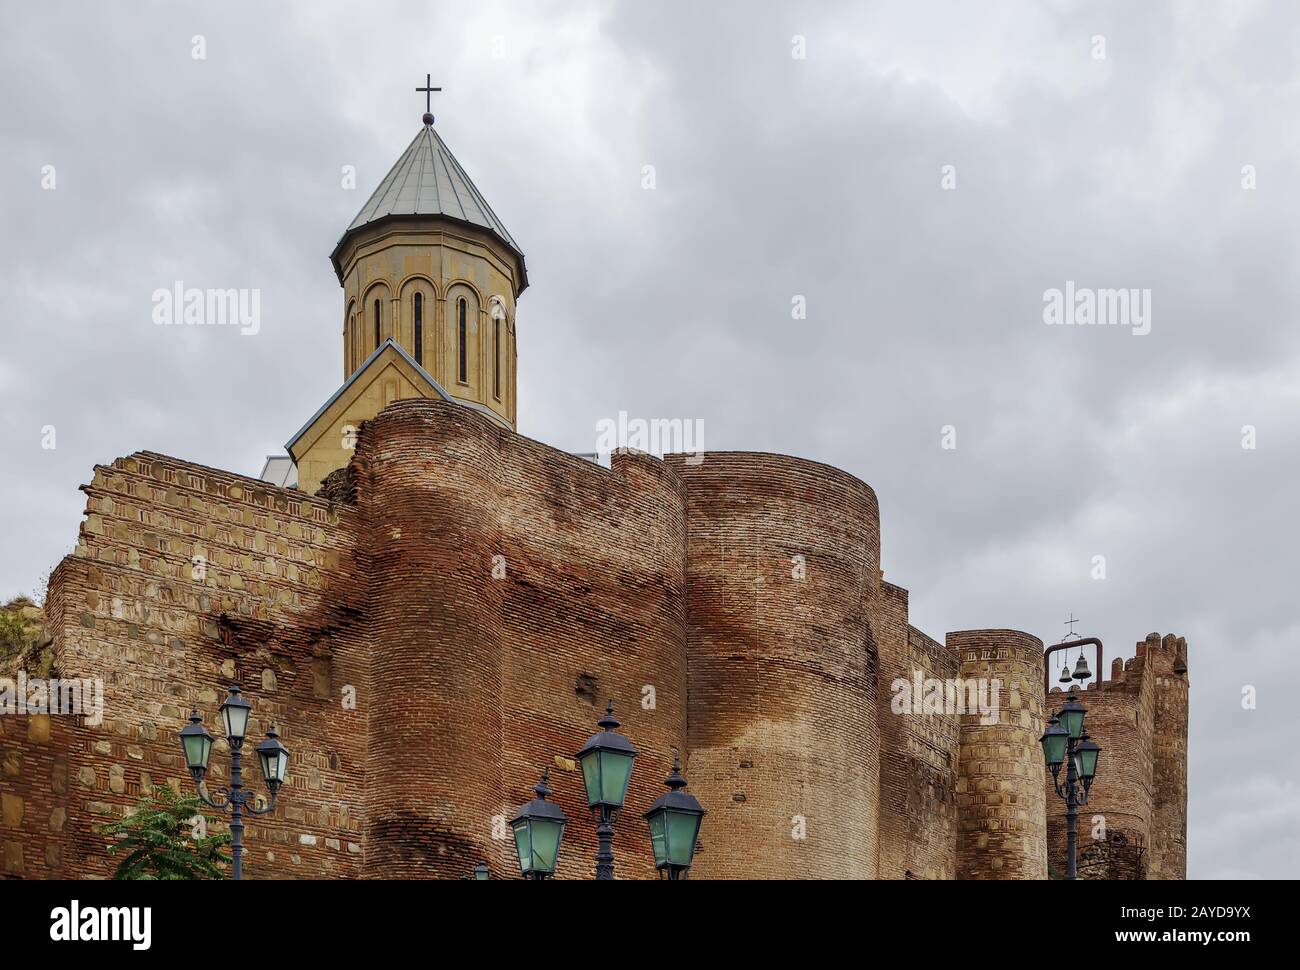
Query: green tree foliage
{"points": [[16, 630], [156, 842]]}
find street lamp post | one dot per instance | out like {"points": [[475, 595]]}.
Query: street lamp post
{"points": [[674, 821], [606, 761], [273, 757], [1065, 741], [538, 829]]}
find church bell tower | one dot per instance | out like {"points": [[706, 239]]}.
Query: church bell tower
{"points": [[427, 263], [431, 279]]}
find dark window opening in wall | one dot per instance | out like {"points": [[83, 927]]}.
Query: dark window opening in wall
{"points": [[376, 325], [463, 371], [352, 338], [496, 357], [419, 329]]}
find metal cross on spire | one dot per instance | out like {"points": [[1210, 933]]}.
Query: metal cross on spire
{"points": [[428, 91], [1070, 623]]}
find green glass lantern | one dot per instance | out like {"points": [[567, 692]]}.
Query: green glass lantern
{"points": [[606, 761], [538, 829], [482, 873], [234, 714], [274, 759], [1071, 716], [197, 745], [1085, 759], [674, 821], [1054, 742]]}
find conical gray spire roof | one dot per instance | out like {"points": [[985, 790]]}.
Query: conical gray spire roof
{"points": [[428, 181]]}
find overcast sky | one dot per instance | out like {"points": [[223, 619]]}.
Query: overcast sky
{"points": [[776, 176]]}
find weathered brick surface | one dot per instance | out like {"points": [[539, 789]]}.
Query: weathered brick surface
{"points": [[889, 627], [274, 610], [1140, 793], [1168, 662], [1001, 811], [1120, 719], [33, 795], [784, 742], [489, 678], [919, 747], [933, 745], [481, 596]]}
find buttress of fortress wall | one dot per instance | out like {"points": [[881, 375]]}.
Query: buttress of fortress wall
{"points": [[1139, 799], [889, 629], [918, 746], [1000, 799], [933, 744], [1167, 658], [515, 589], [184, 579], [783, 563]]}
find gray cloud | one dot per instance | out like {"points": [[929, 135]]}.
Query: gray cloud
{"points": [[775, 177]]}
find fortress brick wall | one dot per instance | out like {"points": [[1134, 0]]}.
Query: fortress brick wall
{"points": [[271, 607], [783, 559], [1167, 659], [450, 615], [1140, 796], [1120, 718], [889, 627], [33, 795], [1000, 798], [487, 678], [933, 747], [34, 818], [918, 762]]}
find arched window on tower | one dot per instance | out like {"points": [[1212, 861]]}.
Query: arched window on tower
{"points": [[351, 339], [419, 329], [377, 324], [461, 342], [496, 351]]}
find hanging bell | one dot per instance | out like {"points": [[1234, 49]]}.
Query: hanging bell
{"points": [[1081, 671], [1065, 674]]}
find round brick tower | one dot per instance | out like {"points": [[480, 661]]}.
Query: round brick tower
{"points": [[426, 479], [1000, 797], [783, 557]]}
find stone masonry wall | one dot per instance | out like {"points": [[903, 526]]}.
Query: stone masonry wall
{"points": [[919, 748], [889, 626], [1000, 800], [273, 605], [933, 744], [1167, 659], [33, 795]]}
